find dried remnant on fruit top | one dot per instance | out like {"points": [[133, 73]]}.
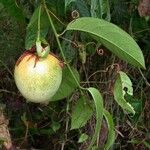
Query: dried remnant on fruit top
{"points": [[32, 53]]}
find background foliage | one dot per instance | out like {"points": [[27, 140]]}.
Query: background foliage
{"points": [[45, 127]]}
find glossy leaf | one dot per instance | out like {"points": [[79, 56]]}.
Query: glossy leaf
{"points": [[122, 86], [81, 114], [111, 36], [111, 130], [98, 101], [32, 28], [67, 86]]}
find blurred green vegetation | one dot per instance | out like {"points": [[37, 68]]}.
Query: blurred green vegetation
{"points": [[43, 127]]}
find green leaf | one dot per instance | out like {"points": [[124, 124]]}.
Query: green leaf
{"points": [[147, 144], [57, 7], [100, 9], [83, 137], [98, 101], [47, 132], [24, 119], [81, 114], [144, 142], [111, 36], [11, 37], [95, 148], [138, 107], [82, 7], [13, 9], [68, 84], [122, 86], [67, 3], [55, 126], [68, 50], [32, 28], [111, 129]]}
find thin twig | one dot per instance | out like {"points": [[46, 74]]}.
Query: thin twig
{"points": [[147, 83], [67, 124], [56, 17], [74, 43], [144, 30], [6, 91], [6, 68]]}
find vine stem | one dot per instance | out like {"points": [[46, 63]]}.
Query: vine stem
{"points": [[69, 68], [56, 18], [59, 45], [39, 16], [67, 125]]}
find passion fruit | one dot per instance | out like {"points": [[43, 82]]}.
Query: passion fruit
{"points": [[38, 79]]}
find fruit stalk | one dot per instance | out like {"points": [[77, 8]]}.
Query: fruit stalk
{"points": [[39, 16]]}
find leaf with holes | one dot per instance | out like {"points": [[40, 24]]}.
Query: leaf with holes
{"points": [[122, 86]]}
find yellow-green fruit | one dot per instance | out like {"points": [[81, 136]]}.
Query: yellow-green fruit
{"points": [[38, 79]]}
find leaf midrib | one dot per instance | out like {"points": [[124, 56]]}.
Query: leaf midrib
{"points": [[70, 28]]}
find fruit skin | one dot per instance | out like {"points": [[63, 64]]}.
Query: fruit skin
{"points": [[38, 79]]}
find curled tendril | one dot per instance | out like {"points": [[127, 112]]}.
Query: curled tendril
{"points": [[75, 14], [100, 51]]}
